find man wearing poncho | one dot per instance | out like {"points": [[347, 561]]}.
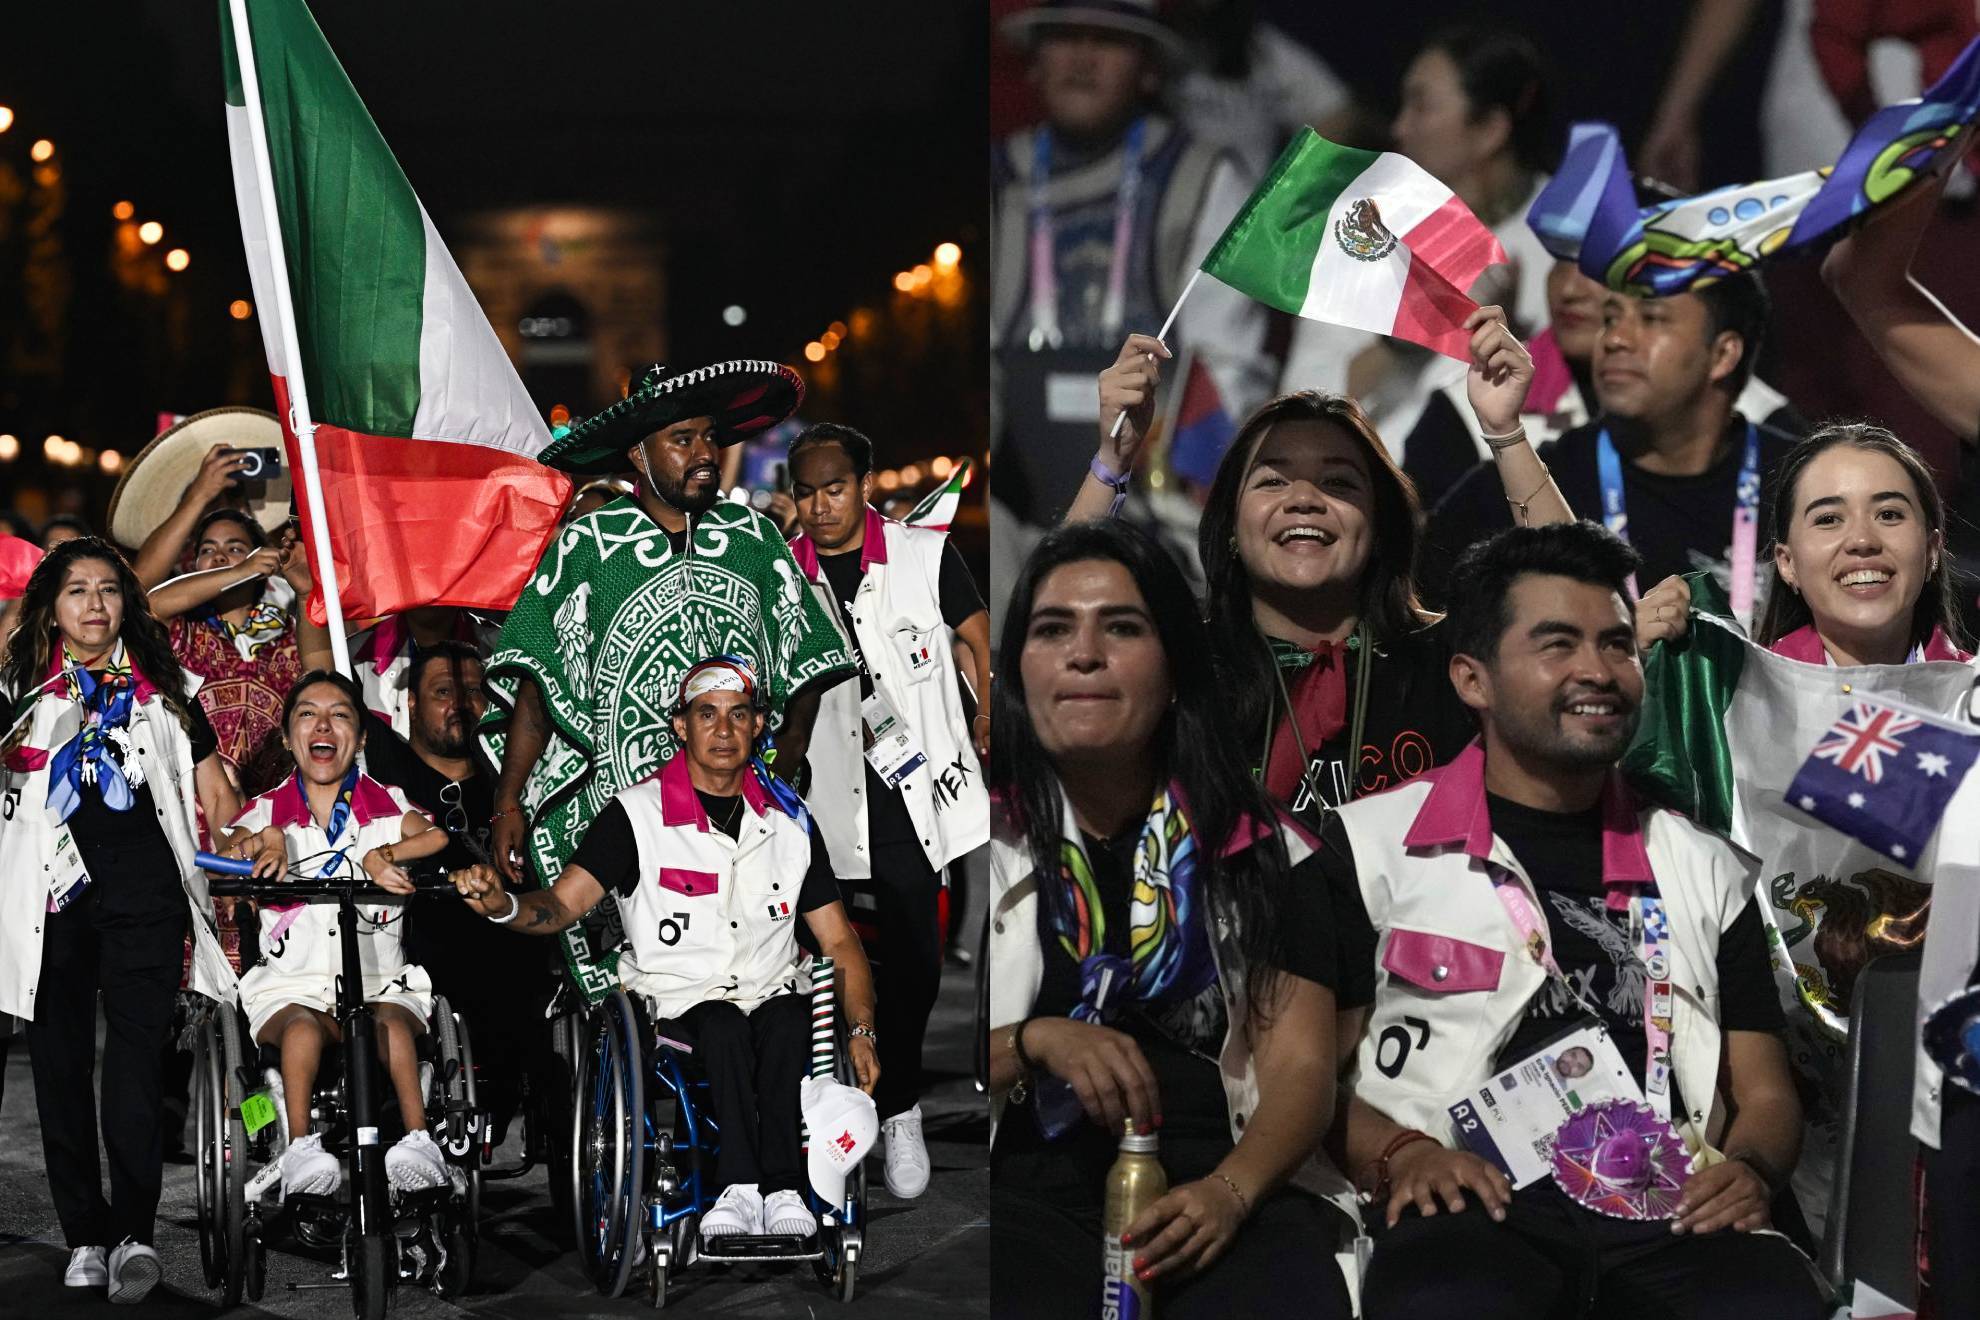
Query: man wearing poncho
{"points": [[625, 600]]}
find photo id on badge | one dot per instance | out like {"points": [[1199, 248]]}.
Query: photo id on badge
{"points": [[1511, 1120], [891, 748]]}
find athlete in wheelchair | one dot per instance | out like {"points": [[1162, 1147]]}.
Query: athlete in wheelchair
{"points": [[330, 975], [700, 1057]]}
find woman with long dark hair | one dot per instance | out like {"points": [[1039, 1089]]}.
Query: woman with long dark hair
{"points": [[1176, 966], [1333, 672], [108, 760]]}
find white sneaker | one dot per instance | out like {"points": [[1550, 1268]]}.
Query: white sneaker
{"points": [[738, 1210], [87, 1268], [414, 1163], [907, 1155], [786, 1213], [308, 1169], [134, 1271]]}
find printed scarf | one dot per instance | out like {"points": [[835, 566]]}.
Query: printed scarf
{"points": [[264, 627], [85, 758]]}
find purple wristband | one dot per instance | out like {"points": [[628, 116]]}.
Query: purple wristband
{"points": [[1118, 481]]}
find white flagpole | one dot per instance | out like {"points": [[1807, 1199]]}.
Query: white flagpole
{"points": [[285, 315], [1162, 334]]}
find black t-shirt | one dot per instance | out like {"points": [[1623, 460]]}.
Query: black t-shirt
{"points": [[1326, 938], [97, 828], [462, 809], [1678, 524], [1414, 721], [887, 818], [1562, 856], [611, 852]]}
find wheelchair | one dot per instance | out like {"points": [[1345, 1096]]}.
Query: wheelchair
{"points": [[643, 1142], [384, 1238]]}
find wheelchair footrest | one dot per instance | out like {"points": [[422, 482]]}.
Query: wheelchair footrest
{"points": [[760, 1246]]}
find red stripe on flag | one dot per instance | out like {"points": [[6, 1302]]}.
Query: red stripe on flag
{"points": [[424, 522], [1432, 313], [1453, 242]]}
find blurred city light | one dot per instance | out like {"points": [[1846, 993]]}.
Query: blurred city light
{"points": [[6, 118], [940, 467], [123, 211], [734, 314], [904, 281], [41, 150], [948, 256], [830, 340], [110, 461], [240, 309], [177, 259], [151, 231], [814, 352], [10, 448], [559, 414], [839, 328]]}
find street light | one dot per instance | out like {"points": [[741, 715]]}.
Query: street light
{"points": [[177, 259], [110, 461], [6, 118], [240, 309], [151, 231], [947, 256], [814, 352], [123, 211], [41, 150], [10, 448], [734, 315]]}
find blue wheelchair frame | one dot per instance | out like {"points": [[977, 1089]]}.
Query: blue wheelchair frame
{"points": [[647, 1182]]}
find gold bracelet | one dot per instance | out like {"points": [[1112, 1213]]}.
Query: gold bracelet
{"points": [[1244, 1206], [1519, 506]]}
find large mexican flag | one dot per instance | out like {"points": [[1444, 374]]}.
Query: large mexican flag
{"points": [[1725, 727], [1364, 239], [425, 437]]}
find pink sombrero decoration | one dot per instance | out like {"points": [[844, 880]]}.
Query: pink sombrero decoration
{"points": [[1618, 1158], [746, 397]]}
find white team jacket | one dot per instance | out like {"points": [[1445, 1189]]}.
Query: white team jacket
{"points": [[897, 615]]}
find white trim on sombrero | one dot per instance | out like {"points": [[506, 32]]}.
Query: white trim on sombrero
{"points": [[1023, 26]]}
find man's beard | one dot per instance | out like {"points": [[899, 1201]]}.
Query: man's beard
{"points": [[1542, 738], [450, 740], [676, 495]]}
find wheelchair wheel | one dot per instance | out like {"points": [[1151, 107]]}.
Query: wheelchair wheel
{"points": [[454, 1073], [371, 1275], [609, 1152], [661, 1260], [220, 1186], [255, 1275], [555, 1110]]}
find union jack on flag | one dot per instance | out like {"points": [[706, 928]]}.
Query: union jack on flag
{"points": [[1860, 740]]}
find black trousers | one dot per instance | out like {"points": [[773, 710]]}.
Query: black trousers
{"points": [[753, 1062], [1045, 1264], [1551, 1259], [1952, 1204], [124, 936], [908, 971]]}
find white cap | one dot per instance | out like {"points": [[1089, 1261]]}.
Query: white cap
{"points": [[844, 1125]]}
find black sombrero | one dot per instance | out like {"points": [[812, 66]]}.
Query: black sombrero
{"points": [[744, 397]]}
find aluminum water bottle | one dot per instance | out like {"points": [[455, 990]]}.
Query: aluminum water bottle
{"points": [[1134, 1183]]}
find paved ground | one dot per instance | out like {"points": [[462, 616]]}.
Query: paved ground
{"points": [[926, 1256]]}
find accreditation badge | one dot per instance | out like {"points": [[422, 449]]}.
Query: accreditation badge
{"points": [[891, 748]]}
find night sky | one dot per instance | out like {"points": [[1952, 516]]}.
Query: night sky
{"points": [[796, 155]]}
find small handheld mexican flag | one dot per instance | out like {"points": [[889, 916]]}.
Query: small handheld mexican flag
{"points": [[938, 508], [1358, 238]]}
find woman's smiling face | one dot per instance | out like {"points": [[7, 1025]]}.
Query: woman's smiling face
{"points": [[324, 733]]}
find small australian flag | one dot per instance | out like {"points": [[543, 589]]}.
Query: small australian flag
{"points": [[1884, 777]]}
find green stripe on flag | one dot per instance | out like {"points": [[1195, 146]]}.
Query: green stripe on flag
{"points": [[1681, 757], [230, 66], [1267, 252], [351, 229]]}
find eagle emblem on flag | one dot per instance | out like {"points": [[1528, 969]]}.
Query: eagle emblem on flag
{"points": [[1361, 233], [1860, 740]]}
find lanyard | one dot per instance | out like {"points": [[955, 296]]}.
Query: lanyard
{"points": [[1650, 932], [1045, 332], [1746, 517]]}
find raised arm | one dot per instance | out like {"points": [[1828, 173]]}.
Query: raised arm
{"points": [[529, 734], [189, 591], [312, 639], [1933, 355], [1496, 385], [1127, 386], [159, 554]]}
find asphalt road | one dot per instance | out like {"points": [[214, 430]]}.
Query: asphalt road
{"points": [[924, 1257]]}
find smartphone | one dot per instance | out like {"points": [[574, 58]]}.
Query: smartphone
{"points": [[261, 465]]}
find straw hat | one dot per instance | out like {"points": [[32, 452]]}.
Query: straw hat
{"points": [[154, 482]]}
